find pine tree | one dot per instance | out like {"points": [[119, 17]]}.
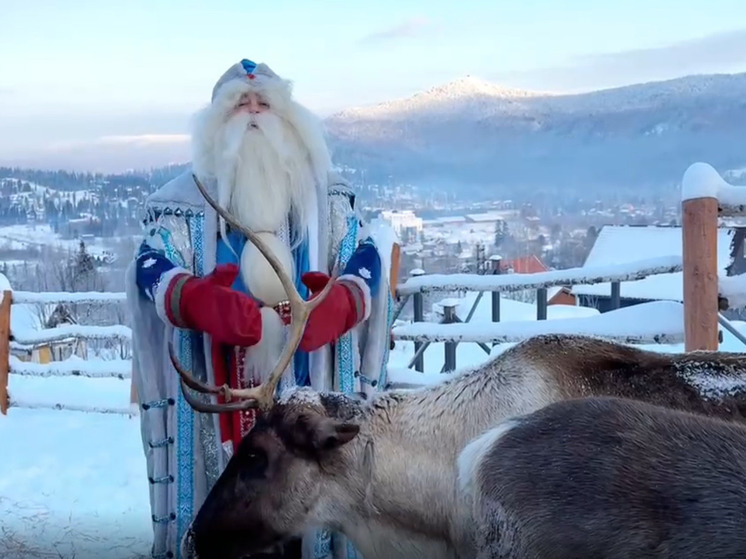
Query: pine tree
{"points": [[84, 262]]}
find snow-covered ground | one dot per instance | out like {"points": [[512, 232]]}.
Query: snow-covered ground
{"points": [[73, 484], [20, 237]]}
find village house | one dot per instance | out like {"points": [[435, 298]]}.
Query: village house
{"points": [[627, 244]]}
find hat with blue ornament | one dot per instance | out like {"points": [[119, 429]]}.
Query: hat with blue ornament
{"points": [[247, 75]]}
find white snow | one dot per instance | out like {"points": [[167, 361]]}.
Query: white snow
{"points": [[627, 246], [24, 319], [73, 484], [659, 321], [73, 365], [80, 297], [70, 392], [385, 238], [626, 271], [733, 288], [470, 354], [481, 94], [510, 309], [114, 332], [34, 235], [701, 180]]}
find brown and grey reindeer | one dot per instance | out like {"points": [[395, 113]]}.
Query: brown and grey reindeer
{"points": [[385, 470], [608, 477]]}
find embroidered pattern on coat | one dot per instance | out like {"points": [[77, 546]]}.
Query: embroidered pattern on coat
{"points": [[345, 349], [184, 413]]}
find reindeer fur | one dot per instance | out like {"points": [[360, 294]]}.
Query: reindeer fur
{"points": [[608, 478], [385, 471]]}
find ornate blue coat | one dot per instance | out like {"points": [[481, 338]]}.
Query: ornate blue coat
{"points": [[182, 447]]}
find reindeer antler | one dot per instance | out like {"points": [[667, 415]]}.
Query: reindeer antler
{"points": [[262, 396]]}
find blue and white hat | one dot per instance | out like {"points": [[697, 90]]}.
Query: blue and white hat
{"points": [[247, 75]]}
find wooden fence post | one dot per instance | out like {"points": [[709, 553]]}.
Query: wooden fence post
{"points": [[449, 317], [699, 230], [133, 390], [5, 350], [495, 261], [419, 312]]}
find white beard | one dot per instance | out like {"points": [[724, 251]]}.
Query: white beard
{"points": [[264, 177]]}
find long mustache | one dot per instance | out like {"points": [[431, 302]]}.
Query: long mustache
{"points": [[269, 125]]}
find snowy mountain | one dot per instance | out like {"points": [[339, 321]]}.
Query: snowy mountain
{"points": [[473, 134]]}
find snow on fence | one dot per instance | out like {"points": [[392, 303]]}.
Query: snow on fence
{"points": [[655, 322], [72, 366], [623, 324], [706, 197], [542, 280]]}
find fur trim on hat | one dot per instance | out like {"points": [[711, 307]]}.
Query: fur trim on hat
{"points": [[277, 92]]}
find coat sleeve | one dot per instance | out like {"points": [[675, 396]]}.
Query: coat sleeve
{"points": [[158, 264], [363, 270]]}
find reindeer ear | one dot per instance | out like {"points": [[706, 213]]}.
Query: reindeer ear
{"points": [[314, 433], [329, 434]]}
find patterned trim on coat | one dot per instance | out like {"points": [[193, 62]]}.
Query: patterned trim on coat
{"points": [[184, 413]]}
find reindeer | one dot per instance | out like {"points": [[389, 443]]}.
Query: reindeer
{"points": [[383, 470], [608, 477]]}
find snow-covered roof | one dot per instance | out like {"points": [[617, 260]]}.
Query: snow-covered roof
{"points": [[4, 283], [487, 216], [623, 245]]}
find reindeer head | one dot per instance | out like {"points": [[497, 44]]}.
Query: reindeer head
{"points": [[279, 481], [271, 488]]}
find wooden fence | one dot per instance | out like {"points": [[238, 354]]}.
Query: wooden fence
{"points": [[30, 339], [452, 330], [706, 197]]}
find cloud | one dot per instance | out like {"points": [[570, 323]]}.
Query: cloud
{"points": [[408, 29], [719, 52], [133, 140], [106, 154]]}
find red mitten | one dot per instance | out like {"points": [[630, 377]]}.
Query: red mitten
{"points": [[211, 305], [342, 309]]}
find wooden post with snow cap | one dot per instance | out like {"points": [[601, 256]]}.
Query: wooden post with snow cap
{"points": [[699, 224], [5, 350]]}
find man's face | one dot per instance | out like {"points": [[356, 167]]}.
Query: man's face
{"points": [[251, 103]]}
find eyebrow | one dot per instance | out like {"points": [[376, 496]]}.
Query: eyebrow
{"points": [[245, 97]]}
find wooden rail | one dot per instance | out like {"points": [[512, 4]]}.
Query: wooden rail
{"points": [[5, 350], [706, 197], [118, 369], [452, 330]]}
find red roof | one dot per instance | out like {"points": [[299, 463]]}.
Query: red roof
{"points": [[524, 265]]}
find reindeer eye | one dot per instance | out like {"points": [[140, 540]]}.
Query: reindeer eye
{"points": [[253, 464]]}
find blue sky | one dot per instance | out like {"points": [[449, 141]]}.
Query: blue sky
{"points": [[74, 71]]}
